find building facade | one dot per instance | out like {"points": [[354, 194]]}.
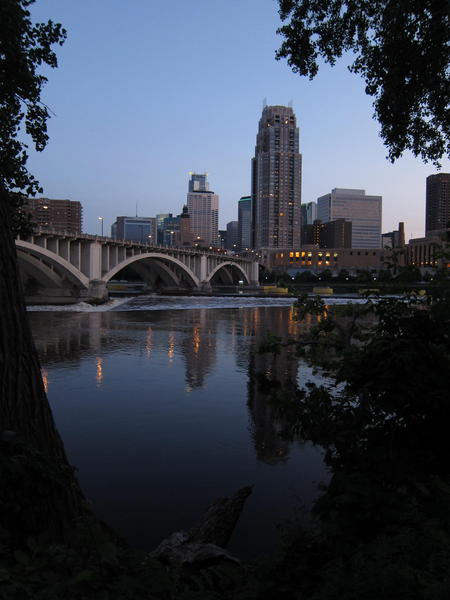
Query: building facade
{"points": [[203, 209], [232, 236], [222, 239], [198, 182], [315, 259], [363, 211], [429, 252], [308, 213], [136, 229], [334, 234], [185, 228], [64, 215], [245, 223], [276, 180], [170, 231], [394, 239], [160, 225], [437, 213]]}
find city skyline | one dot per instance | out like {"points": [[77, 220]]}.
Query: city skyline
{"points": [[130, 120]]}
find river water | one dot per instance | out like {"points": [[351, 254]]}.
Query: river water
{"points": [[157, 401]]}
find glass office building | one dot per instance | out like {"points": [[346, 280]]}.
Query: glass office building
{"points": [[363, 211]]}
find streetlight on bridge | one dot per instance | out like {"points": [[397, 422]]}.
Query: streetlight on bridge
{"points": [[101, 220]]}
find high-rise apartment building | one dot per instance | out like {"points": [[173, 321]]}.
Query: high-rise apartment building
{"points": [[245, 223], [276, 180], [437, 214], [363, 211], [64, 215], [203, 209]]}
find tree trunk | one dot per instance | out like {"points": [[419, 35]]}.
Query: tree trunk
{"points": [[39, 491]]}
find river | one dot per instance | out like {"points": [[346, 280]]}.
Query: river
{"points": [[157, 402]]}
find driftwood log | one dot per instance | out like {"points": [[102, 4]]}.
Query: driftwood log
{"points": [[204, 544]]}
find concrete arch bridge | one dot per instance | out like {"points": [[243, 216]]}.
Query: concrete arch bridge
{"points": [[60, 267]]}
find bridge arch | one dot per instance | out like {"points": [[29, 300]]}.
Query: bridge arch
{"points": [[161, 261], [229, 264], [67, 270]]}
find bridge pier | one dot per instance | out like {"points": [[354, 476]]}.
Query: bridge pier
{"points": [[254, 275], [205, 286], [97, 291]]}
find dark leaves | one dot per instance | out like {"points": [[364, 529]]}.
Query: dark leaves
{"points": [[24, 47], [402, 53]]}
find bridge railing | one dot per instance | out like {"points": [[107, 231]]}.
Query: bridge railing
{"points": [[132, 243]]}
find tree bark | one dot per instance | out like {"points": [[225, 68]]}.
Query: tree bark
{"points": [[39, 491]]}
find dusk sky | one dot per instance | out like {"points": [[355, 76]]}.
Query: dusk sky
{"points": [[147, 91]]}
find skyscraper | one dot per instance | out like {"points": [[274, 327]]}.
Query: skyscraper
{"points": [[363, 211], [245, 223], [203, 209], [437, 214], [198, 182], [276, 180]]}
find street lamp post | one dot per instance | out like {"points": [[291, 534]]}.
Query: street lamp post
{"points": [[101, 220]]}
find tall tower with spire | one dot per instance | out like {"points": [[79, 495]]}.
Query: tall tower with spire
{"points": [[276, 180]]}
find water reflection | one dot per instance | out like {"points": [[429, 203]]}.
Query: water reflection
{"points": [[73, 337], [198, 347], [149, 342], [281, 369], [44, 375], [171, 401], [192, 335], [99, 365]]}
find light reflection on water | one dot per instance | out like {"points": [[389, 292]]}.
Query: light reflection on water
{"points": [[161, 413]]}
